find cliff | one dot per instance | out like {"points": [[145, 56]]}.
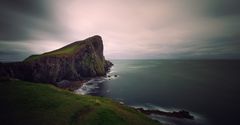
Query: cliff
{"points": [[76, 61]]}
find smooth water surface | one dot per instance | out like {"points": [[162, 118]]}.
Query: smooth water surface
{"points": [[209, 89]]}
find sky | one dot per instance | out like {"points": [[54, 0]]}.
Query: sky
{"points": [[130, 29]]}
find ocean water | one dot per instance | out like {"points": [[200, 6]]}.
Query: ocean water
{"points": [[208, 89]]}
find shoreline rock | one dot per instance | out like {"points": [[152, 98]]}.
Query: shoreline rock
{"points": [[70, 85], [177, 114]]}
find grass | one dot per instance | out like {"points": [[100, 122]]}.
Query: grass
{"points": [[64, 51], [25, 103]]}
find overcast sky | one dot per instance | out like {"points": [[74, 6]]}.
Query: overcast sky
{"points": [[131, 29]]}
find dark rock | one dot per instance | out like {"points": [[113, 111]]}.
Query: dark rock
{"points": [[178, 114], [89, 83], [77, 61], [108, 65], [63, 84]]}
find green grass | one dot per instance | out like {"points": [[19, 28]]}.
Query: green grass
{"points": [[64, 51], [25, 103]]}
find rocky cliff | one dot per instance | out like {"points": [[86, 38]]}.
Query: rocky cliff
{"points": [[76, 61]]}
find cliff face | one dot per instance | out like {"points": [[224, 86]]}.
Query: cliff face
{"points": [[76, 61]]}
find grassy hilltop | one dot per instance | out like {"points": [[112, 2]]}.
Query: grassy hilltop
{"points": [[68, 50]]}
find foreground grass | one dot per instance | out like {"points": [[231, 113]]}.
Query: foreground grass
{"points": [[25, 103]]}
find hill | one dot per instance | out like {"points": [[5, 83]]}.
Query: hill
{"points": [[25, 103], [76, 61]]}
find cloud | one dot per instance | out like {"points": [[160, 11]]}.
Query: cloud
{"points": [[132, 29], [26, 19]]}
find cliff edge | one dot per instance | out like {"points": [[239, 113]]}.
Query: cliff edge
{"points": [[76, 61]]}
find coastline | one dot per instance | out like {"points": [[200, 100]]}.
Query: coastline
{"points": [[71, 85], [85, 87], [44, 104]]}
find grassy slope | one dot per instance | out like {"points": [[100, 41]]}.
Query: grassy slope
{"points": [[64, 51], [40, 104]]}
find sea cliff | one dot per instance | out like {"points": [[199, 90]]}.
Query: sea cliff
{"points": [[77, 61]]}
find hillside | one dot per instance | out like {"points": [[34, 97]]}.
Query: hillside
{"points": [[25, 103], [71, 49], [77, 61]]}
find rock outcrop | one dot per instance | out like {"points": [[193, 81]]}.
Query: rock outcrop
{"points": [[76, 61], [177, 114]]}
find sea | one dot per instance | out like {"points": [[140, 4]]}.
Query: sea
{"points": [[208, 89]]}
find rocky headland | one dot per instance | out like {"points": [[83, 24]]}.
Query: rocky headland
{"points": [[77, 61]]}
